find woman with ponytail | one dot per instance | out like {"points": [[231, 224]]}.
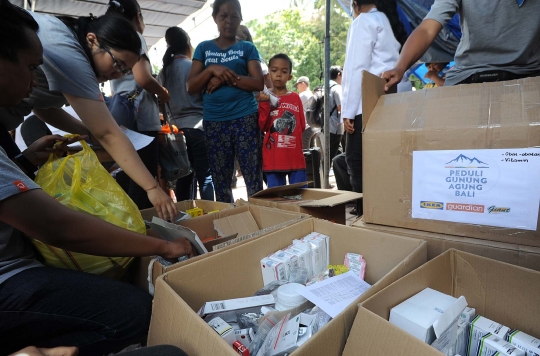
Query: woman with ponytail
{"points": [[78, 54], [373, 44], [187, 113], [147, 112]]}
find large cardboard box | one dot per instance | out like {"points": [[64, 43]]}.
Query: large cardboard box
{"points": [[320, 203], [499, 291], [236, 273], [261, 221], [476, 116], [206, 205], [519, 255]]}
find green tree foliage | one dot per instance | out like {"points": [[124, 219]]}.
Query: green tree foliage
{"points": [[301, 37]]}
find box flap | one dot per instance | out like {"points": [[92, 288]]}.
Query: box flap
{"points": [[449, 316], [242, 224], [372, 90], [283, 188], [340, 198], [372, 335]]}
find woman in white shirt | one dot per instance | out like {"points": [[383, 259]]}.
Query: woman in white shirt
{"points": [[371, 46]]}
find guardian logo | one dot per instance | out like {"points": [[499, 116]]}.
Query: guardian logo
{"points": [[468, 208]]}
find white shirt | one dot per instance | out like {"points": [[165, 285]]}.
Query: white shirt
{"points": [[371, 46]]}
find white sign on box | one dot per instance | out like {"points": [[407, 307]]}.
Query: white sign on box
{"points": [[496, 187]]}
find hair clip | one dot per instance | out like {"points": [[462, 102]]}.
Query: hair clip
{"points": [[92, 17], [117, 5]]}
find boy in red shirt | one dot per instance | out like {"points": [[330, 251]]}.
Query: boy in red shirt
{"points": [[284, 123]]}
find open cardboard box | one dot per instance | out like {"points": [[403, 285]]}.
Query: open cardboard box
{"points": [[475, 116], [519, 255], [236, 273], [261, 221], [319, 203], [499, 291], [206, 205]]}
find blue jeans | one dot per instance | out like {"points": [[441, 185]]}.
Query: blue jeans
{"points": [[49, 307], [276, 179], [196, 147]]}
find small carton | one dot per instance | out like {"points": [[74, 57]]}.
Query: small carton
{"points": [[239, 347], [527, 343], [491, 345], [417, 314], [467, 316], [245, 336], [223, 329], [195, 212], [290, 261], [222, 306], [480, 327], [303, 257], [273, 270], [462, 339]]}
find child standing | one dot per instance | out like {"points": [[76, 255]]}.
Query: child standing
{"points": [[229, 71], [284, 122]]}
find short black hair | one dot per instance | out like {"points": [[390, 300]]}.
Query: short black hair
{"points": [[334, 71], [14, 23], [218, 3], [281, 56]]}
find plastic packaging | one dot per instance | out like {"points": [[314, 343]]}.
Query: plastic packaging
{"points": [[264, 329], [289, 297], [80, 182], [321, 319], [248, 320], [270, 288], [298, 275]]}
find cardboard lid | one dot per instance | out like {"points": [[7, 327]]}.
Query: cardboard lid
{"points": [[340, 196], [274, 190]]}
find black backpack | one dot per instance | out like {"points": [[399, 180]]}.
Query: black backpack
{"points": [[315, 108]]}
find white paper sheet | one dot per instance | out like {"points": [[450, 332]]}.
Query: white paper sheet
{"points": [[493, 187], [335, 294]]}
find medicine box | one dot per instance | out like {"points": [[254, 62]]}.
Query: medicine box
{"points": [[417, 314], [273, 270], [480, 327], [527, 343], [491, 345]]}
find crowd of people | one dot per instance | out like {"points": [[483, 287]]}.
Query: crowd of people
{"points": [[228, 105]]}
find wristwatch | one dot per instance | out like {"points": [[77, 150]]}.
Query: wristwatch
{"points": [[28, 166]]}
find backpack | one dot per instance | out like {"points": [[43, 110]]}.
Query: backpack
{"points": [[315, 108]]}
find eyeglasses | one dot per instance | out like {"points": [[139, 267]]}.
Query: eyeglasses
{"points": [[117, 65]]}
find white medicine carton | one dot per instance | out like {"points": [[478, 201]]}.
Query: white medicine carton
{"points": [[290, 260], [480, 327], [491, 345], [527, 343], [303, 256], [273, 270], [223, 306], [417, 314]]}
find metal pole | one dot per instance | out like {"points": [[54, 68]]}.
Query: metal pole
{"points": [[326, 146]]}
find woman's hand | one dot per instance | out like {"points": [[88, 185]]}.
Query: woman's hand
{"points": [[430, 75], [213, 85], [38, 152], [178, 248], [163, 203], [164, 97], [226, 75]]}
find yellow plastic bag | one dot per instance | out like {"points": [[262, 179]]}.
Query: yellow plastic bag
{"points": [[80, 182]]}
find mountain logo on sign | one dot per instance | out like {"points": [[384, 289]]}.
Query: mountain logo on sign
{"points": [[466, 162]]}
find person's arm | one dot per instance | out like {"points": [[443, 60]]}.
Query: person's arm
{"points": [[101, 124], [357, 58], [417, 44], [254, 81], [264, 115], [198, 77], [62, 120], [143, 76], [41, 217], [434, 77], [57, 351]]}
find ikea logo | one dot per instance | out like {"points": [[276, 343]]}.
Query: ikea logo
{"points": [[431, 205]]}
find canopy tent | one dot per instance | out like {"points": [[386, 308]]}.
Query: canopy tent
{"points": [[158, 14], [412, 12]]}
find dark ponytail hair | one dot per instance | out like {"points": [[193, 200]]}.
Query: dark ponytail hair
{"points": [[389, 8], [218, 3], [13, 36], [178, 41], [112, 32], [128, 9]]}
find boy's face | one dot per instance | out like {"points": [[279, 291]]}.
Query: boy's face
{"points": [[280, 72]]}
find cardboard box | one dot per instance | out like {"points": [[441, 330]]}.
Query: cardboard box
{"points": [[476, 116], [319, 203], [519, 255], [266, 220], [185, 205], [235, 273], [489, 286]]}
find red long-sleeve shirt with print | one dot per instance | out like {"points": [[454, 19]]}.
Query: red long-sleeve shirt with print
{"points": [[284, 125]]}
